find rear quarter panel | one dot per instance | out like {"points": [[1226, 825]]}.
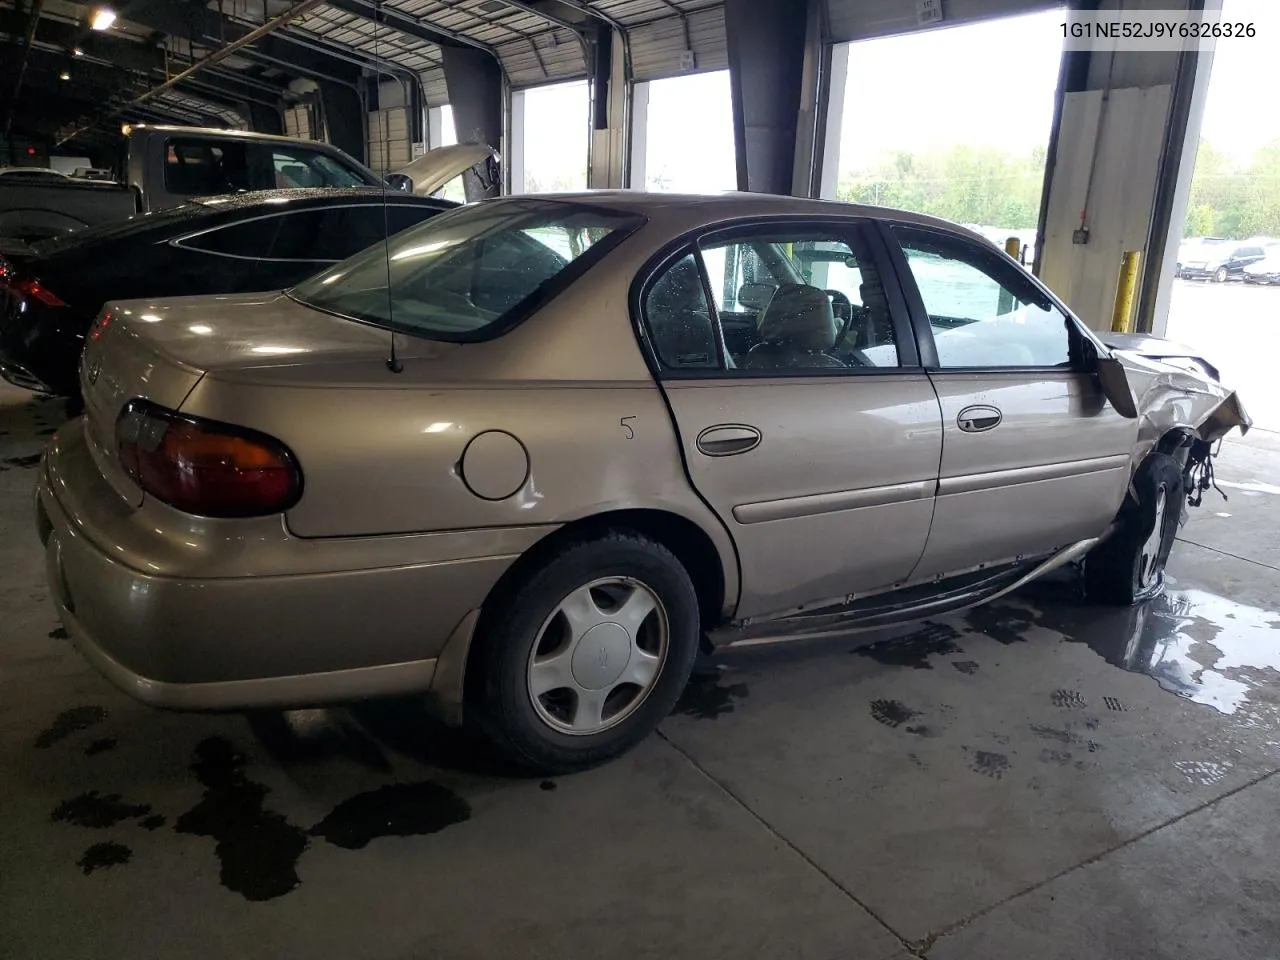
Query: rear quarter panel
{"points": [[382, 453]]}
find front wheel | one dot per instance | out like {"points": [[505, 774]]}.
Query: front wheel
{"points": [[1128, 567], [1220, 275], [583, 656]]}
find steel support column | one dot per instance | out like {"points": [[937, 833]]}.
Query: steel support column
{"points": [[766, 44], [344, 117], [610, 154], [474, 81]]}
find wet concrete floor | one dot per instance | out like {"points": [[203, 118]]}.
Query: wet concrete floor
{"points": [[1034, 778]]}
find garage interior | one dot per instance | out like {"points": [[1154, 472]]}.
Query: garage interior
{"points": [[1034, 777]]}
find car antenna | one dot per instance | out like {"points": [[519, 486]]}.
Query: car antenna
{"points": [[393, 362]]}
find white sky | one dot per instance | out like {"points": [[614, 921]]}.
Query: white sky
{"points": [[985, 84], [1239, 117]]}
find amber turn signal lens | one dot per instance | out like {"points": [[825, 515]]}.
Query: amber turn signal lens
{"points": [[204, 467]]}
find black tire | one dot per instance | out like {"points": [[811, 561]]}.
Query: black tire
{"points": [[1116, 571], [74, 406], [499, 702], [1220, 275]]}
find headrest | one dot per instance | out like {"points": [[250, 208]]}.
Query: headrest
{"points": [[799, 315]]}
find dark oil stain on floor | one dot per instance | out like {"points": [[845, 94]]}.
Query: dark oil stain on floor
{"points": [[103, 855], [547, 785], [258, 849], [68, 722], [969, 667], [892, 713], [1001, 622], [58, 633], [706, 698], [101, 745], [396, 810], [153, 822], [98, 810], [989, 764], [915, 649]]}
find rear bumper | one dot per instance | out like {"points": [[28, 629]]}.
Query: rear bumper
{"points": [[234, 642]]}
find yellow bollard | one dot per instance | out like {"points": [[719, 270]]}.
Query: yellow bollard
{"points": [[1122, 317], [1012, 246]]}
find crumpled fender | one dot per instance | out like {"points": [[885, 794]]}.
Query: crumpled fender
{"points": [[1168, 388]]}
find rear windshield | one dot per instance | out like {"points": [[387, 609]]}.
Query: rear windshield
{"points": [[471, 273]]}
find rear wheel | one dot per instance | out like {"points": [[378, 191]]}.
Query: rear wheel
{"points": [[1128, 567], [582, 658]]}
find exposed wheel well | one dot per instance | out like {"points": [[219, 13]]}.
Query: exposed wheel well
{"points": [[690, 544]]}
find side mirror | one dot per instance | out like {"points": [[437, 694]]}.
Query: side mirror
{"points": [[1115, 386], [399, 181], [754, 295]]}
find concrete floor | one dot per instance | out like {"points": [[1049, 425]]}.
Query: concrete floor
{"points": [[1034, 779]]}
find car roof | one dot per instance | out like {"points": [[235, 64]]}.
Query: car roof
{"points": [[306, 197], [696, 210], [222, 133], [205, 213]]}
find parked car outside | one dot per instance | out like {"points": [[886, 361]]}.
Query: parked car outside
{"points": [[534, 453], [1222, 261], [51, 292], [1267, 270]]}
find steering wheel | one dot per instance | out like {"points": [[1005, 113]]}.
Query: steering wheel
{"points": [[842, 307]]}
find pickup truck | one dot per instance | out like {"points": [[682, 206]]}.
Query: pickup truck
{"points": [[162, 166]]}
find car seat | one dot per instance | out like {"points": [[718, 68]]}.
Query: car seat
{"points": [[797, 326]]}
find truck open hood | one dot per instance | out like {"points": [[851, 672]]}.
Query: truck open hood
{"points": [[1170, 386], [435, 168]]}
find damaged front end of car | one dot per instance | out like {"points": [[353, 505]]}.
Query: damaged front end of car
{"points": [[1176, 396]]}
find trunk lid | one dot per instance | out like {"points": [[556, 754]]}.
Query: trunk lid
{"points": [[159, 350], [435, 168]]}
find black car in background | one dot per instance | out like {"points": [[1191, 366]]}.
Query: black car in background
{"points": [[1220, 260], [50, 292]]}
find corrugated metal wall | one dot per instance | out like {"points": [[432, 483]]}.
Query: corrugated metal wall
{"points": [[656, 47], [547, 57], [297, 122], [389, 148], [864, 19]]}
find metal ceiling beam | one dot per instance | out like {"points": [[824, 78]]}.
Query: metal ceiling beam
{"points": [[411, 26], [33, 18], [114, 49], [209, 28], [289, 15]]}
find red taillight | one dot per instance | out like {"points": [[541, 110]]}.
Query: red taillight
{"points": [[204, 467], [30, 287]]}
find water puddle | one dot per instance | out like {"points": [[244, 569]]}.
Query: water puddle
{"points": [[1195, 644]]}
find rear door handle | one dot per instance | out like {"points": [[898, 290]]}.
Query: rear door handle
{"points": [[979, 418], [726, 439]]}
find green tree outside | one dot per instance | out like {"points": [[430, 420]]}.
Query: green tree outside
{"points": [[993, 187]]}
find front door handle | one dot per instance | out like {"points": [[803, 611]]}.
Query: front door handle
{"points": [[979, 418], [726, 439]]}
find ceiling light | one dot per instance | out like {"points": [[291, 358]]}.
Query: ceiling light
{"points": [[103, 18], [64, 75], [77, 52]]}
